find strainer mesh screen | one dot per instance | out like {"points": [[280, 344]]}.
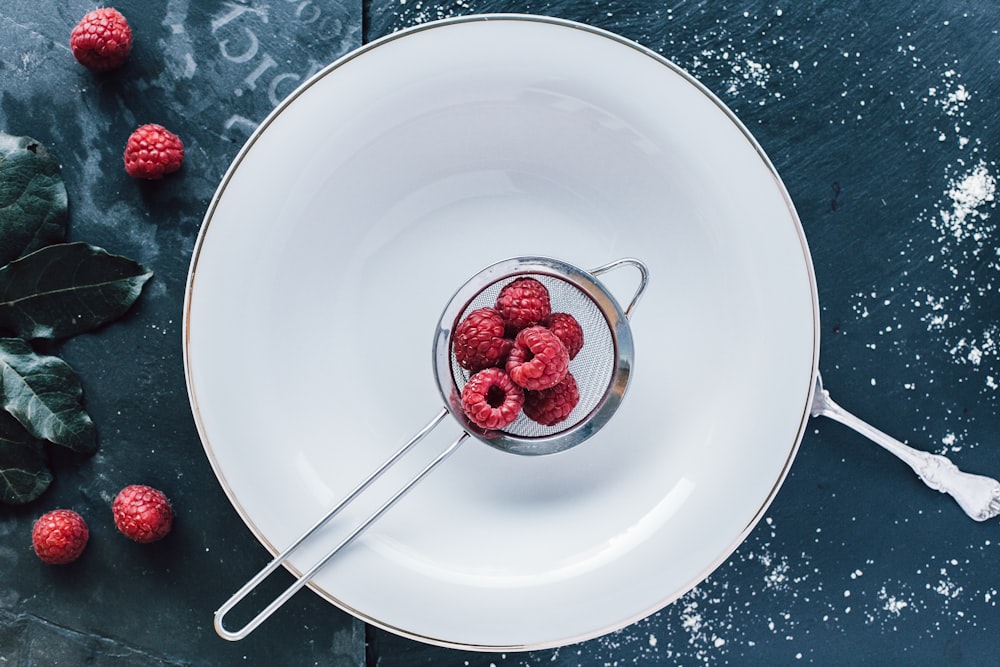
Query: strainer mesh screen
{"points": [[593, 367]]}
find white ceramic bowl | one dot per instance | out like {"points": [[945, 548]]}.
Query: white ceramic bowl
{"points": [[354, 213]]}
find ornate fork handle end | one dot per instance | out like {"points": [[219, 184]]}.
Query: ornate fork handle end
{"points": [[968, 490], [977, 495]]}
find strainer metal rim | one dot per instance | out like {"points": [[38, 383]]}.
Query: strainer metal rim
{"points": [[618, 327]]}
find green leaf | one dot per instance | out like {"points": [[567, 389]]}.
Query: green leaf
{"points": [[33, 203], [43, 393], [66, 289], [24, 474]]}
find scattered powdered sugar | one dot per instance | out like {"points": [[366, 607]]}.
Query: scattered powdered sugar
{"points": [[892, 604], [952, 98], [424, 11], [966, 251], [947, 588], [969, 198], [950, 283], [966, 219], [763, 601], [743, 69]]}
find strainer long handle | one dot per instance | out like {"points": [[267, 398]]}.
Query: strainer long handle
{"points": [[281, 558]]}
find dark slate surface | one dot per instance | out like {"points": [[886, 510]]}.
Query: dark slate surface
{"points": [[209, 70], [883, 124]]}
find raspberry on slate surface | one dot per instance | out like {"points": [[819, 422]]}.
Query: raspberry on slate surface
{"points": [[59, 536], [102, 40], [142, 513], [491, 400], [479, 340], [153, 151], [568, 330], [550, 406], [538, 359], [523, 303]]}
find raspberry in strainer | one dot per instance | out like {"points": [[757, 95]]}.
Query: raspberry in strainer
{"points": [[479, 340], [523, 303], [538, 359], [550, 406], [491, 400], [568, 330]]}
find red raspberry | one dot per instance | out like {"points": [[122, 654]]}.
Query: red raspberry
{"points": [[550, 406], [479, 341], [568, 330], [538, 359], [491, 400], [59, 536], [142, 513], [102, 40], [523, 303], [152, 152]]}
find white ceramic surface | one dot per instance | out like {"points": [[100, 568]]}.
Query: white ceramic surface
{"points": [[369, 196]]}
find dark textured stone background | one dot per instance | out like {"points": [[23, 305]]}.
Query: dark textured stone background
{"points": [[883, 123]]}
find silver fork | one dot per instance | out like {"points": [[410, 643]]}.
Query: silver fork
{"points": [[978, 495]]}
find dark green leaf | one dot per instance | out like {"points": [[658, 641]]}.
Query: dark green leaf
{"points": [[24, 474], [43, 393], [66, 289], [33, 204]]}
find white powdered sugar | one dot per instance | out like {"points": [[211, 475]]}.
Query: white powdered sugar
{"points": [[970, 197]]}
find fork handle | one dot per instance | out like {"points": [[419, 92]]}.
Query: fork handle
{"points": [[977, 495]]}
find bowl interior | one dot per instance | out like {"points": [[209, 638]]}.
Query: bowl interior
{"points": [[364, 202]]}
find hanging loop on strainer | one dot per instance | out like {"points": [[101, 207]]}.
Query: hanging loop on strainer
{"points": [[602, 370]]}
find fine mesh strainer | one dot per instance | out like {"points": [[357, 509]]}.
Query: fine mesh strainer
{"points": [[602, 369]]}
